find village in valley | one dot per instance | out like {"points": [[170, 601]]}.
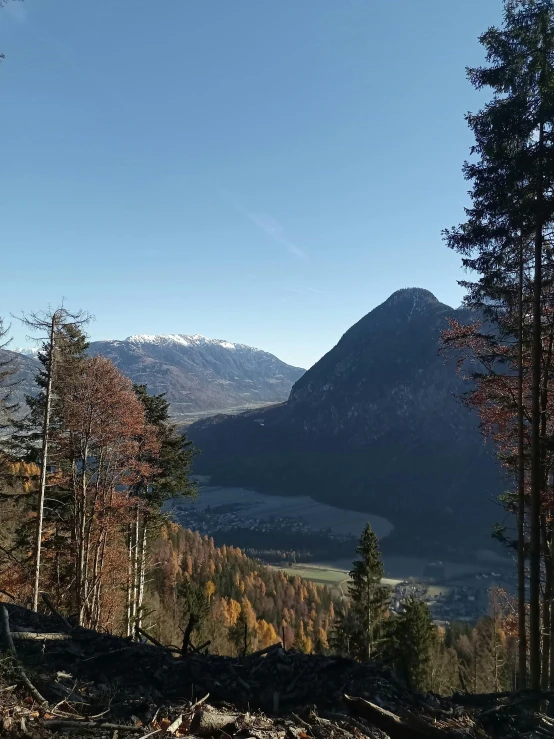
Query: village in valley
{"points": [[463, 597]]}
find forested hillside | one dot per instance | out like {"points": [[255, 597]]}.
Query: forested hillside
{"points": [[87, 528], [225, 587]]}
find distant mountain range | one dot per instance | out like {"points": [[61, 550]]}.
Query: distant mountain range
{"points": [[198, 375], [374, 426]]}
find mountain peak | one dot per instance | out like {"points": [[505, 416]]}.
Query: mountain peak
{"points": [[412, 295], [410, 301]]}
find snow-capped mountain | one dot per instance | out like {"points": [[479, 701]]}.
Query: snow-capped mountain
{"points": [[201, 375], [185, 340]]}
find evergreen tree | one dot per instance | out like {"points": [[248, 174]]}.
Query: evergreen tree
{"points": [[175, 456], [507, 236], [196, 603], [360, 634], [412, 645]]}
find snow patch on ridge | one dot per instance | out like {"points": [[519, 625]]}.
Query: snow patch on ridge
{"points": [[185, 340]]}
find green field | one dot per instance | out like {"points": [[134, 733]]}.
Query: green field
{"points": [[333, 578], [337, 579]]}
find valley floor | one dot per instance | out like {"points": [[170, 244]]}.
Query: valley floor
{"points": [[318, 541]]}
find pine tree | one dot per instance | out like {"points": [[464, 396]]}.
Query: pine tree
{"points": [[175, 457], [358, 628], [196, 604], [506, 239], [412, 643]]}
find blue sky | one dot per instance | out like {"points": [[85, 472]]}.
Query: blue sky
{"points": [[263, 172]]}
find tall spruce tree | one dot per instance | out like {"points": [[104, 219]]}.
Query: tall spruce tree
{"points": [[360, 625], [508, 230]]}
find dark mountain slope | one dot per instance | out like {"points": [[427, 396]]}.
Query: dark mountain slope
{"points": [[374, 426]]}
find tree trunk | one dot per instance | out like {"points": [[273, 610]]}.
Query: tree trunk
{"points": [[142, 571], [129, 580], [495, 643], [536, 445], [546, 528], [83, 553], [522, 629], [546, 608], [368, 619], [44, 462], [550, 577], [136, 565]]}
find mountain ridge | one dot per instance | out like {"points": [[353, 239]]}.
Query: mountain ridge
{"points": [[198, 375]]}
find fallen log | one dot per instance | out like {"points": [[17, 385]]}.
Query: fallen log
{"points": [[38, 636], [206, 723], [12, 651], [407, 727]]}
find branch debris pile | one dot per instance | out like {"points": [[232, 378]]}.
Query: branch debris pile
{"points": [[59, 680]]}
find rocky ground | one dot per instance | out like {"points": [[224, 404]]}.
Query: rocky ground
{"points": [[56, 679]]}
